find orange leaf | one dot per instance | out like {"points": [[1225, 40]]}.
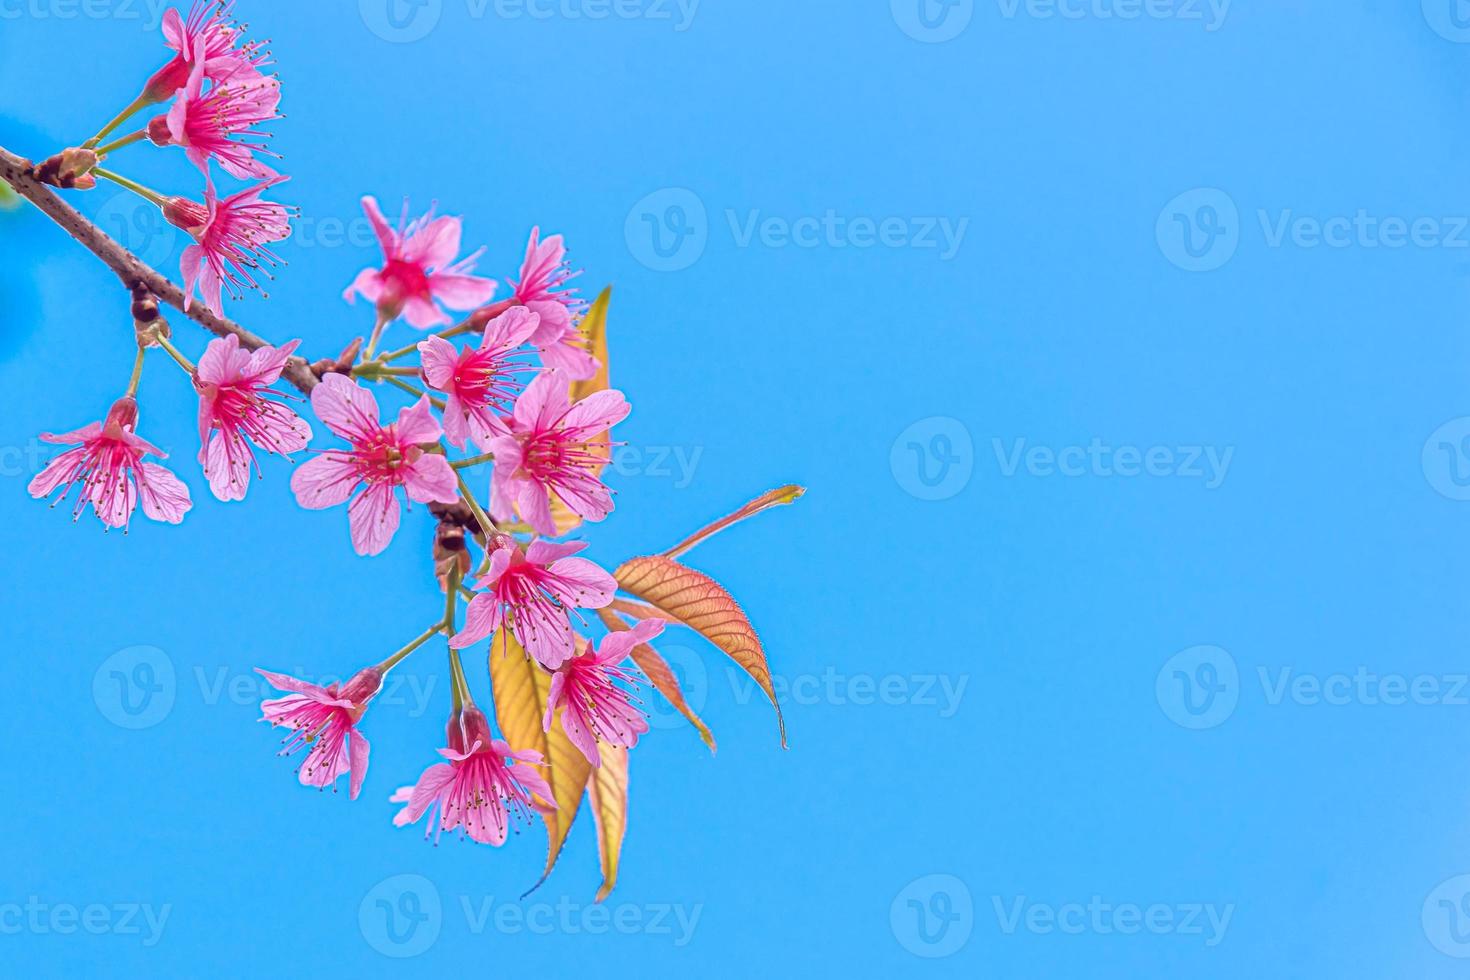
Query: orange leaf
{"points": [[594, 329], [658, 672], [774, 498], [608, 792], [689, 598], [520, 688]]}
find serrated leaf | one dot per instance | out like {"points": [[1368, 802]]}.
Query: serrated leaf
{"points": [[688, 598], [661, 676], [594, 329], [771, 498], [607, 792], [520, 688]]}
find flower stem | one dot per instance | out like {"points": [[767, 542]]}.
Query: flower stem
{"points": [[451, 597], [465, 464], [486, 524], [461, 686], [137, 375], [138, 103], [436, 402], [397, 658], [121, 142], [413, 348], [143, 192], [372, 344], [173, 352]]}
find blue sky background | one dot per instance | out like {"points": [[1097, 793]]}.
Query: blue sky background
{"points": [[998, 702]]}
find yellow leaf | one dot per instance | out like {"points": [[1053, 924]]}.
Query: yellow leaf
{"points": [[772, 498], [594, 329], [520, 688], [661, 676], [685, 597], [608, 794]]}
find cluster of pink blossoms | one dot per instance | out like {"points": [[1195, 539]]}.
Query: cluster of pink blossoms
{"points": [[509, 407]]}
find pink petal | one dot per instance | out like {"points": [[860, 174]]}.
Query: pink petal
{"points": [[358, 756], [164, 496], [324, 481], [347, 408], [417, 425], [439, 359], [373, 518], [431, 480], [461, 292]]}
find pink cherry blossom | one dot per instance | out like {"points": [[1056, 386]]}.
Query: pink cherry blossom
{"points": [[594, 707], [206, 37], [323, 720], [230, 239], [542, 287], [481, 382], [534, 590], [479, 789], [381, 459], [549, 450], [108, 463], [221, 124], [236, 403], [419, 270]]}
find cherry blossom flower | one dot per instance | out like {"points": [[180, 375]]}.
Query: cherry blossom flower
{"points": [[549, 450], [230, 239], [206, 37], [236, 403], [220, 124], [542, 287], [481, 789], [533, 590], [108, 463], [381, 459], [594, 707], [419, 270], [480, 382], [323, 720]]}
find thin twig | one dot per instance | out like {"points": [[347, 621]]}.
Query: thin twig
{"points": [[16, 171]]}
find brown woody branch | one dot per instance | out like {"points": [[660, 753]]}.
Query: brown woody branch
{"points": [[18, 172]]}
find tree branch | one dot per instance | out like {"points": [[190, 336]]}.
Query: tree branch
{"points": [[17, 172]]}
